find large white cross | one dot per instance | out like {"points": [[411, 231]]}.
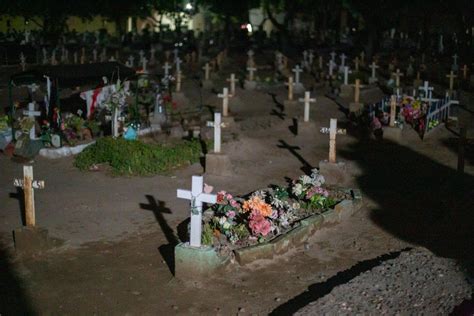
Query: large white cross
{"points": [[28, 185], [397, 75], [251, 70], [31, 113], [297, 70], [307, 100], [373, 66], [332, 131], [346, 74], [232, 81], [217, 124], [207, 70], [225, 101], [197, 198]]}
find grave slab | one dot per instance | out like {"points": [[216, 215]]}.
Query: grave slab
{"points": [[218, 164], [393, 134], [194, 262], [29, 240], [334, 173]]}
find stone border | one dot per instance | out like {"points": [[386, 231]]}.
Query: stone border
{"points": [[56, 153], [298, 235]]}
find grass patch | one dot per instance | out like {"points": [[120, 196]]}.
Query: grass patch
{"points": [[136, 158]]}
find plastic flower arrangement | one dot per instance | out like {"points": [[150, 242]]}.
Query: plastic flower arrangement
{"points": [[308, 189]]}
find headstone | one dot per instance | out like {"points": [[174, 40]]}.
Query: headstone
{"points": [[307, 100], [197, 197]]}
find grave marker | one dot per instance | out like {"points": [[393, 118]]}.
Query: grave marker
{"points": [[166, 68], [290, 88], [232, 81], [28, 185], [397, 75], [393, 109], [297, 70], [217, 125], [451, 77], [332, 131], [251, 70], [31, 113], [225, 101], [207, 70], [373, 66], [197, 198], [346, 75], [307, 100]]}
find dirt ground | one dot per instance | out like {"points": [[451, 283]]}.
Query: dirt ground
{"points": [[115, 256]]}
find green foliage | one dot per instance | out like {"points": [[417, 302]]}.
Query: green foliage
{"points": [[75, 122], [3, 122], [93, 126], [207, 235], [137, 158]]}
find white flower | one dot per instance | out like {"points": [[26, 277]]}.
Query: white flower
{"points": [[222, 220], [297, 189], [226, 225], [305, 180]]}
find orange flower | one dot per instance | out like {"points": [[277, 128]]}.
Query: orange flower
{"points": [[256, 204]]}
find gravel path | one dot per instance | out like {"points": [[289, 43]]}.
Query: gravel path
{"points": [[417, 282]]}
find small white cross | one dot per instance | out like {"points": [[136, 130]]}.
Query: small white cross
{"points": [[251, 70], [307, 100], [130, 61], [225, 101], [31, 113], [217, 124], [232, 81], [343, 60], [331, 65], [297, 70], [346, 74], [455, 59], [332, 131], [451, 77], [427, 90], [207, 70], [197, 198], [167, 68], [373, 66], [397, 75]]}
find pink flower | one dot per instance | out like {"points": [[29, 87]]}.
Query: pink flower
{"points": [[229, 196], [234, 203], [230, 214], [259, 225]]}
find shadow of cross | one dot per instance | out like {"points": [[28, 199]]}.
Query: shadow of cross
{"points": [[293, 150], [158, 208], [280, 115]]}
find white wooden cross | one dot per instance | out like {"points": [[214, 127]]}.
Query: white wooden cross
{"points": [[232, 81], [251, 70], [427, 90], [207, 70], [197, 198], [307, 100], [297, 70], [397, 75], [225, 101], [130, 61], [28, 185], [373, 66], [167, 68], [331, 65], [455, 60], [31, 113], [451, 77], [332, 131], [22, 61], [178, 62], [346, 74], [217, 124], [290, 85]]}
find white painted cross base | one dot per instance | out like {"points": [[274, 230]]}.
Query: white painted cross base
{"points": [[218, 164], [197, 198], [250, 85]]}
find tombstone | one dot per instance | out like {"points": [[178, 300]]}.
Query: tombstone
{"points": [[250, 84], [290, 101], [197, 197], [334, 172], [307, 100], [393, 132], [31, 113], [298, 86], [22, 62], [207, 82], [30, 239], [217, 163], [373, 78]]}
